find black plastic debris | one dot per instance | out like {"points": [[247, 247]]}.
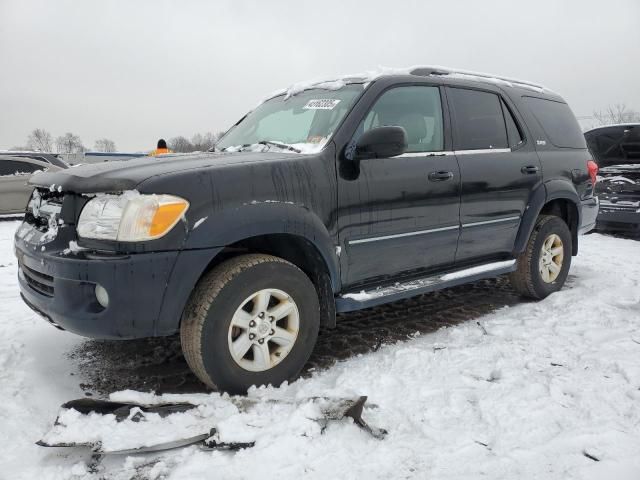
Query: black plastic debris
{"points": [[331, 409]]}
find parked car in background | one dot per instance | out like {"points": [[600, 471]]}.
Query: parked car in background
{"points": [[616, 149], [336, 197], [15, 170]]}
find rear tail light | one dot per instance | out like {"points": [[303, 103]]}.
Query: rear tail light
{"points": [[592, 167]]}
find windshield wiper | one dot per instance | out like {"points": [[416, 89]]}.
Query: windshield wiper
{"points": [[268, 143], [280, 145]]}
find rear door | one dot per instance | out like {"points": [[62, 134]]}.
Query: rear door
{"points": [[14, 191], [399, 216], [499, 168]]}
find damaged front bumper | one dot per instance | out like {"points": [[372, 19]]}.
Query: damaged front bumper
{"points": [[61, 286], [146, 291]]}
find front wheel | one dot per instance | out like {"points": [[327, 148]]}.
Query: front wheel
{"points": [[544, 265], [252, 320]]}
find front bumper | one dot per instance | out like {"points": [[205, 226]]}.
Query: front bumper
{"points": [[147, 291], [618, 220]]}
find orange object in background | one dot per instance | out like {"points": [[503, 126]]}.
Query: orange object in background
{"points": [[160, 149]]}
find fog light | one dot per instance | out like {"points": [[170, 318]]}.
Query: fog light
{"points": [[102, 296]]}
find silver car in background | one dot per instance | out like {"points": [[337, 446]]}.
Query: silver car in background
{"points": [[15, 170]]}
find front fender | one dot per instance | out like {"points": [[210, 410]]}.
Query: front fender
{"points": [[257, 218]]}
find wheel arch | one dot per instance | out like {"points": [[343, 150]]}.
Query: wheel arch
{"points": [[558, 198], [282, 229], [300, 251]]}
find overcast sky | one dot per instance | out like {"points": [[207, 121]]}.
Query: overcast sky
{"points": [[134, 71]]}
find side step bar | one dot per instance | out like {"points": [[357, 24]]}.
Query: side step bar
{"points": [[351, 301]]}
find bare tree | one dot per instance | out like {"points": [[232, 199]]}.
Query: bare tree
{"points": [[69, 143], [203, 142], [618, 113], [105, 145], [180, 144], [40, 140]]}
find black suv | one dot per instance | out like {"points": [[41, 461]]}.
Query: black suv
{"points": [[616, 149], [328, 198]]}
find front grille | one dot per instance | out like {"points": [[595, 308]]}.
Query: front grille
{"points": [[40, 282], [606, 207]]}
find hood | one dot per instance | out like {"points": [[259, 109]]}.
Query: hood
{"points": [[126, 175]]}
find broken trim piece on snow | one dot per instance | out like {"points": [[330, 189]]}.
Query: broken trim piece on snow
{"points": [[332, 409]]}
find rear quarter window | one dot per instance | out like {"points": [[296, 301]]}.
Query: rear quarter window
{"points": [[557, 121]]}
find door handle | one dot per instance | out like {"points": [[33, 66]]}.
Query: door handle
{"points": [[529, 170], [440, 176]]}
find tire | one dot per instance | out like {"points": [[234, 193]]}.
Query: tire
{"points": [[231, 295], [529, 277]]}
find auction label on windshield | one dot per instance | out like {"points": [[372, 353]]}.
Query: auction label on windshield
{"points": [[321, 104]]}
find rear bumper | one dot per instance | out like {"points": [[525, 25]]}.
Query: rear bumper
{"points": [[147, 291], [589, 213]]}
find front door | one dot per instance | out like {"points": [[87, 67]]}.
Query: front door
{"points": [[400, 215], [499, 169]]}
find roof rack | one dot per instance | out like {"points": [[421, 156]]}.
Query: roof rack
{"points": [[430, 70]]}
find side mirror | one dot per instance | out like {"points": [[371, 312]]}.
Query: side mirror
{"points": [[381, 142]]}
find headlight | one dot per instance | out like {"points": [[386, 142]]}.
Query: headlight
{"points": [[130, 217]]}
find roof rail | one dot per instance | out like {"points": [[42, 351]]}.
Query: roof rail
{"points": [[429, 70]]}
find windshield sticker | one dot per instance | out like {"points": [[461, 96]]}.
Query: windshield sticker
{"points": [[321, 104]]}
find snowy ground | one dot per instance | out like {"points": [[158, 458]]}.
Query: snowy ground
{"points": [[538, 390]]}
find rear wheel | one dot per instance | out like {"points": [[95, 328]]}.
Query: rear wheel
{"points": [[253, 320], [544, 265]]}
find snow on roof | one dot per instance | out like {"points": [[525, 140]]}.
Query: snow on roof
{"points": [[418, 70]]}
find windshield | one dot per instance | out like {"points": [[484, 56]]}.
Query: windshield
{"points": [[302, 123]]}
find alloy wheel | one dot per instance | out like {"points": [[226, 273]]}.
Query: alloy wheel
{"points": [[551, 258], [263, 330]]}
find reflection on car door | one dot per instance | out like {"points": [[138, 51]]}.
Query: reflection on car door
{"points": [[499, 170], [400, 215]]}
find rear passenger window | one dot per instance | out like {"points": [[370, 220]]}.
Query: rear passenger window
{"points": [[478, 120], [558, 122], [11, 167], [514, 135], [417, 109]]}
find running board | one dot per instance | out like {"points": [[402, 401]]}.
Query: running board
{"points": [[351, 301]]}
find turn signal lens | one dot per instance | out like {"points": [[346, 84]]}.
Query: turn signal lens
{"points": [[166, 217], [592, 167]]}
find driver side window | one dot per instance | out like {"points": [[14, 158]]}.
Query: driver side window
{"points": [[417, 109]]}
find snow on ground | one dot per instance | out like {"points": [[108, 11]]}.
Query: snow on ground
{"points": [[531, 392]]}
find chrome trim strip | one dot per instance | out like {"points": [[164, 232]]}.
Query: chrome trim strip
{"points": [[488, 222], [426, 154], [400, 235], [484, 150], [433, 230], [454, 152]]}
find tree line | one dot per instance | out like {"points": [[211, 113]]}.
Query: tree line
{"points": [[41, 140], [618, 113]]}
